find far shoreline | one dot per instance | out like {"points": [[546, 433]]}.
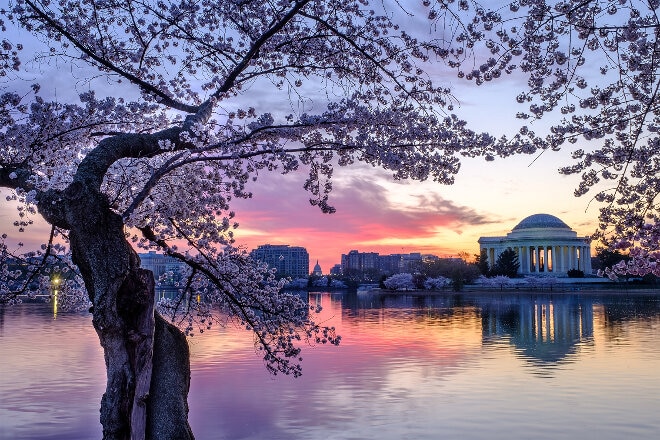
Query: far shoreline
{"points": [[471, 290]]}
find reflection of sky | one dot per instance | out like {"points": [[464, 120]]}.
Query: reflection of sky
{"points": [[421, 368], [52, 375], [369, 371], [407, 367]]}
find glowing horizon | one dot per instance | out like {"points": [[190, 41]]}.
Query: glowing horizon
{"points": [[377, 214]]}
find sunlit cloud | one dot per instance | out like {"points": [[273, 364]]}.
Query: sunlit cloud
{"points": [[374, 213]]}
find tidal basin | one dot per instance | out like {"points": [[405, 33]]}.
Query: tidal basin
{"points": [[449, 366]]}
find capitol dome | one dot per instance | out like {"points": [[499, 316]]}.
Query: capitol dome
{"points": [[541, 221]]}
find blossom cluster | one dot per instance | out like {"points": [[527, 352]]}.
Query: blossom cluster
{"points": [[230, 287]]}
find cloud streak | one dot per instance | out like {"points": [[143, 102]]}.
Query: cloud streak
{"points": [[367, 218]]}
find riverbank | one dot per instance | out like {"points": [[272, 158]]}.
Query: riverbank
{"points": [[563, 289]]}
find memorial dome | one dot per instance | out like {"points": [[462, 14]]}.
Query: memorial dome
{"points": [[541, 221]]}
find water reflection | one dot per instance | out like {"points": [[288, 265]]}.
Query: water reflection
{"points": [[543, 329], [449, 366]]}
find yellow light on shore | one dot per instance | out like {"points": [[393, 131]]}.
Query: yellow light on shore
{"points": [[56, 283]]}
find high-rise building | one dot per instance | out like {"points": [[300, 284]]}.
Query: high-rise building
{"points": [[160, 264], [410, 263], [291, 261], [389, 264], [359, 261]]}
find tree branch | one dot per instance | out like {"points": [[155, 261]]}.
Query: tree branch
{"points": [[256, 46], [164, 99]]}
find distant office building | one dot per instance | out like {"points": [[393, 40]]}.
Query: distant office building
{"points": [[359, 261], [410, 263], [159, 264], [389, 264], [292, 261], [335, 270]]}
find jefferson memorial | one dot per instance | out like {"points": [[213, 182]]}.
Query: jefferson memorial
{"points": [[544, 244]]}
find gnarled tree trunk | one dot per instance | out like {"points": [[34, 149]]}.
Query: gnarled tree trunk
{"points": [[147, 359]]}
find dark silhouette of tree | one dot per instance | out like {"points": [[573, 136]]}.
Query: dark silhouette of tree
{"points": [[481, 261], [606, 258], [506, 264], [575, 273]]}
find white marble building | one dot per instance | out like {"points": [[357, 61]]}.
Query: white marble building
{"points": [[544, 244]]}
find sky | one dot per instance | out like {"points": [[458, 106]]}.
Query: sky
{"points": [[376, 213]]}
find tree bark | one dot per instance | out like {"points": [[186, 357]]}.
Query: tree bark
{"points": [[147, 359], [170, 382]]}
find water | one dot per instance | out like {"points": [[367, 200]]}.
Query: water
{"points": [[438, 367]]}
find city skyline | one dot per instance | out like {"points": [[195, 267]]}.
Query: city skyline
{"points": [[388, 225]]}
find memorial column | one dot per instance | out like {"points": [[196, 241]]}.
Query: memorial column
{"points": [[537, 257], [574, 257]]}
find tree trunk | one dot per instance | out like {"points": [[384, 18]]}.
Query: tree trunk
{"points": [[170, 382], [147, 359]]}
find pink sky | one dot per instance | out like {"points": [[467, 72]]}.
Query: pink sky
{"points": [[279, 213], [376, 214]]}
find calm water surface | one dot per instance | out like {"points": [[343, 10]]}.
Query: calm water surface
{"points": [[466, 366]]}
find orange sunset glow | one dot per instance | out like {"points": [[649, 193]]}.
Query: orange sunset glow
{"points": [[377, 214]]}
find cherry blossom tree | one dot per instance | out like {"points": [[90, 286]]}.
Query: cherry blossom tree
{"points": [[166, 129], [437, 283], [550, 281], [169, 126], [400, 281], [534, 281], [321, 282], [297, 284], [501, 281], [591, 70]]}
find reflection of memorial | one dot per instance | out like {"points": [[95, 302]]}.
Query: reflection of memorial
{"points": [[543, 328]]}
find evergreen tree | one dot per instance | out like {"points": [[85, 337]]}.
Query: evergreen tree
{"points": [[481, 261], [507, 264]]}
